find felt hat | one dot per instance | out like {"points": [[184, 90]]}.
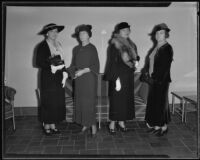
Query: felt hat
{"points": [[51, 26]]}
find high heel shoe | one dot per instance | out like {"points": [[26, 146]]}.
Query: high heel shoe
{"points": [[122, 129], [111, 131], [84, 131], [150, 130], [47, 132], [161, 132], [55, 131]]}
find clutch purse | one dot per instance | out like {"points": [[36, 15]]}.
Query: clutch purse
{"points": [[56, 60]]}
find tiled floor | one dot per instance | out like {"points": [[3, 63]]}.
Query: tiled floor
{"points": [[28, 141]]}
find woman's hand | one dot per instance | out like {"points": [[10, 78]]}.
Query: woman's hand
{"points": [[136, 64], [55, 68], [65, 76], [118, 85], [81, 72]]}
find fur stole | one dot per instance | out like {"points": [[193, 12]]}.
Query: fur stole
{"points": [[125, 46]]}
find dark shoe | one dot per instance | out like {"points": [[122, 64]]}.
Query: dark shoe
{"points": [[55, 131], [47, 132], [93, 135], [84, 131], [161, 132], [151, 130], [111, 131], [121, 128]]}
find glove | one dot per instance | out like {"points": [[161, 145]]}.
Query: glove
{"points": [[65, 76], [136, 64], [55, 68], [118, 85]]}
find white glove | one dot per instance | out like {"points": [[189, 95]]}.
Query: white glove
{"points": [[136, 64], [118, 85], [65, 76], [55, 68]]}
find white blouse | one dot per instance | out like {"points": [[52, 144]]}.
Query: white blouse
{"points": [[56, 50]]}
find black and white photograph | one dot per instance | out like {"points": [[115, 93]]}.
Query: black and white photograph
{"points": [[92, 79]]}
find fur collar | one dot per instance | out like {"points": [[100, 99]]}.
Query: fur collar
{"points": [[125, 45]]}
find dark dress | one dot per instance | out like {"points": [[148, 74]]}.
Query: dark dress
{"points": [[52, 94], [157, 110], [85, 85], [121, 102]]}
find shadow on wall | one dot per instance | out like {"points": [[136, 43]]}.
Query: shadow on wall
{"points": [[38, 76]]}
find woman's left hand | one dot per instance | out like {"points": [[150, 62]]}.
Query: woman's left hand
{"points": [[79, 73], [136, 64]]}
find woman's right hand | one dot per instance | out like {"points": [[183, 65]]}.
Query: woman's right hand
{"points": [[55, 68]]}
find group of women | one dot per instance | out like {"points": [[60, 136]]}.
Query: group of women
{"points": [[121, 63]]}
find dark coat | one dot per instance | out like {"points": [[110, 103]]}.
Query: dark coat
{"points": [[162, 64], [121, 102], [52, 94], [157, 110]]}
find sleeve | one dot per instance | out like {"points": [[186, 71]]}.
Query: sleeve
{"points": [[164, 64], [94, 62], [72, 68], [42, 58], [111, 70]]}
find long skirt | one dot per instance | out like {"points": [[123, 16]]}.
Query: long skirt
{"points": [[122, 102], [53, 106], [85, 99], [157, 110]]}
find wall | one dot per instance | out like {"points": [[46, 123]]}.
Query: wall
{"points": [[23, 23]]}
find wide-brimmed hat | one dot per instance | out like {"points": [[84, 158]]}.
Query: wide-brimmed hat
{"points": [[121, 25], [158, 27], [82, 27], [51, 26]]}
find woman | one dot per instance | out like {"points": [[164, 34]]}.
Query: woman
{"points": [[84, 69], [52, 78], [157, 70], [121, 64]]}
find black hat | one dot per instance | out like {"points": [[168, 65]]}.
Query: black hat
{"points": [[158, 27], [83, 27], [51, 26], [122, 25]]}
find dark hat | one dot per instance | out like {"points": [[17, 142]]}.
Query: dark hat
{"points": [[159, 27], [82, 27], [122, 25], [51, 26]]}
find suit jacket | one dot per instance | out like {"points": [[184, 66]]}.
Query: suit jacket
{"points": [[48, 80], [162, 64]]}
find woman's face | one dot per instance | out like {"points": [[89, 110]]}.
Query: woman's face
{"points": [[52, 34], [160, 36], [83, 35], [125, 32]]}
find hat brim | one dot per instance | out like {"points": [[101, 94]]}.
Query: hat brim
{"points": [[154, 31], [44, 31]]}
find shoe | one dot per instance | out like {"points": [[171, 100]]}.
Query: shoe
{"points": [[161, 132], [121, 128], [111, 131], [151, 130], [55, 131], [47, 132], [84, 131], [93, 135]]}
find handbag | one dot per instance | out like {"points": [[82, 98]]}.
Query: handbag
{"points": [[56, 60]]}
